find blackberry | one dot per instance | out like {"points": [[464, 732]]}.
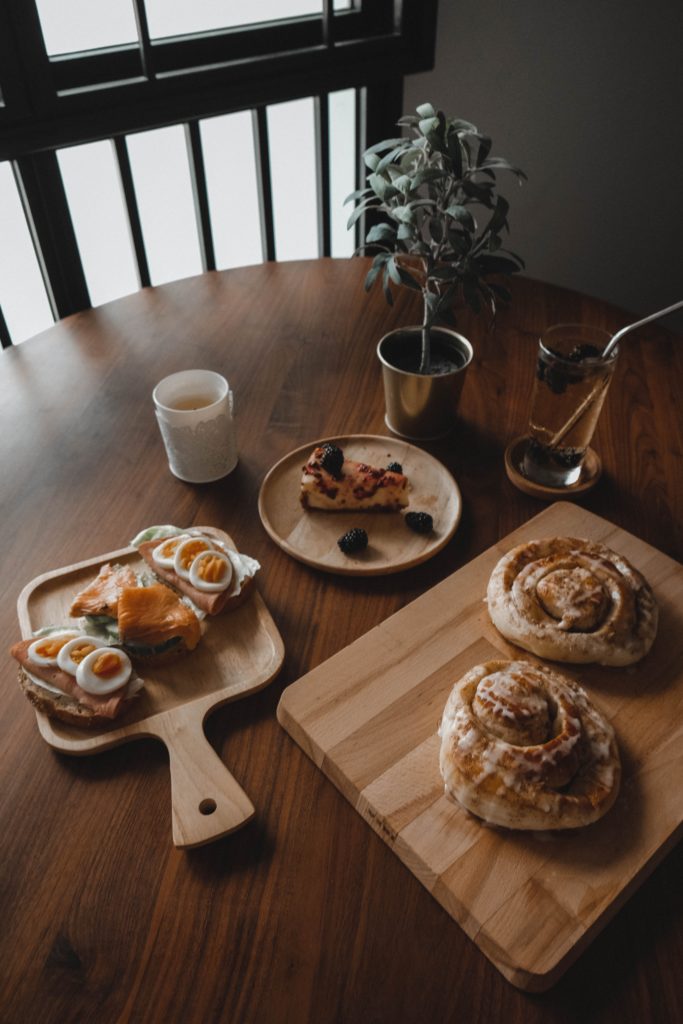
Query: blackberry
{"points": [[420, 522], [354, 540], [581, 352], [395, 467], [333, 459]]}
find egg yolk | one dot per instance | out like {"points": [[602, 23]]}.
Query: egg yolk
{"points": [[52, 646], [191, 551], [167, 549], [106, 665], [79, 653], [211, 569]]}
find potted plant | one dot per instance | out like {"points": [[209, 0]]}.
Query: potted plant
{"points": [[440, 234]]}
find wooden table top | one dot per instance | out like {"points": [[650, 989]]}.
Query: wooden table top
{"points": [[304, 914]]}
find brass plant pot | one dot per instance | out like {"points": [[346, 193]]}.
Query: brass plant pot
{"points": [[422, 407]]}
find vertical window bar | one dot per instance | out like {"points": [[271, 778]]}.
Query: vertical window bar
{"points": [[5, 336], [143, 37], [200, 195], [322, 159], [328, 23], [360, 166], [381, 107], [134, 223], [49, 221], [265, 191]]}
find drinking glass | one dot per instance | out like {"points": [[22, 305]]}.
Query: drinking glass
{"points": [[570, 386]]}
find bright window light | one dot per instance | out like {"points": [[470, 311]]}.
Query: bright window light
{"points": [[291, 136], [342, 107], [100, 220], [177, 17], [230, 165], [161, 174], [72, 25], [22, 293]]}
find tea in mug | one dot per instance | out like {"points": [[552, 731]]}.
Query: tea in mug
{"points": [[192, 402]]}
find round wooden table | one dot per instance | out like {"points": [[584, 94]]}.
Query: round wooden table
{"points": [[304, 914]]}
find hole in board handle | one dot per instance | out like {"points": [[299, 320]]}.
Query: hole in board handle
{"points": [[207, 806]]}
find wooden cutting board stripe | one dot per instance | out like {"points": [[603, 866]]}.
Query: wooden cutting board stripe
{"points": [[368, 718]]}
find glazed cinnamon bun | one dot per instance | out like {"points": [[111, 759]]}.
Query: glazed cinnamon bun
{"points": [[573, 600], [523, 747]]}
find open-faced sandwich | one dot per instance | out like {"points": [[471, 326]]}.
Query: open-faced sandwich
{"points": [[148, 619], [213, 576], [76, 678]]}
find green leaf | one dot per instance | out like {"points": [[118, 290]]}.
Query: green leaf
{"points": [[407, 279], [436, 229], [371, 160], [428, 174], [381, 187], [500, 164], [356, 194], [484, 148], [358, 212], [392, 270], [390, 158], [387, 290], [403, 214], [371, 277], [428, 125], [455, 152], [408, 120], [385, 144], [458, 125], [403, 183], [381, 233], [462, 215], [426, 110], [406, 232]]}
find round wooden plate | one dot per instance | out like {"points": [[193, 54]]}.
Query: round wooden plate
{"points": [[311, 537]]}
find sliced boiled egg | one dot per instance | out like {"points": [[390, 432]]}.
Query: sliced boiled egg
{"points": [[186, 552], [211, 571], [103, 670], [74, 651], [45, 650], [164, 553]]}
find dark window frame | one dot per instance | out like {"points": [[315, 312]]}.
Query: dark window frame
{"points": [[52, 102]]}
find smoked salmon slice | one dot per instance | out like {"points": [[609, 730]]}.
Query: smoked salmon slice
{"points": [[101, 597]]}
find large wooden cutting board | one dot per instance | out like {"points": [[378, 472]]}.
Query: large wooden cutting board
{"points": [[368, 718]]}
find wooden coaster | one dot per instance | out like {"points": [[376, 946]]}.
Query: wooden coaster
{"points": [[591, 471]]}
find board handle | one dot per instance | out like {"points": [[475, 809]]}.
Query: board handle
{"points": [[207, 801]]}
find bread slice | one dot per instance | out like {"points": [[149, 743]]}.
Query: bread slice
{"points": [[65, 708]]}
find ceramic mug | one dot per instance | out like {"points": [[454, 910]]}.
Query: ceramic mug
{"points": [[194, 409]]}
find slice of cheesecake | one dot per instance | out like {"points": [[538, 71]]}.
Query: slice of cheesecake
{"points": [[336, 484]]}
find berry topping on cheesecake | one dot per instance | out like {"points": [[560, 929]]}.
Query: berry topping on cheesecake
{"points": [[343, 485]]}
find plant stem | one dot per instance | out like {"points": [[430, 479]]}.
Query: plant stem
{"points": [[425, 354]]}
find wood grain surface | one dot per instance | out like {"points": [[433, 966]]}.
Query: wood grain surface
{"points": [[304, 915], [368, 718]]}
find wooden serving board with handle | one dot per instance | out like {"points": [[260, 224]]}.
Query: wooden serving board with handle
{"points": [[368, 718], [240, 652]]}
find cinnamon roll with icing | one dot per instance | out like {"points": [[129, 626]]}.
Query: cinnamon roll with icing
{"points": [[573, 600], [523, 747]]}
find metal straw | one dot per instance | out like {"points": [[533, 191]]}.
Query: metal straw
{"points": [[639, 323], [601, 385]]}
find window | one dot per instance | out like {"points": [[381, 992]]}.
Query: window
{"points": [[188, 96]]}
